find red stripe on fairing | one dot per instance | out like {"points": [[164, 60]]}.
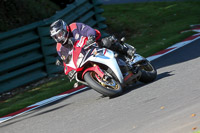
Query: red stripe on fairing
{"points": [[81, 42], [96, 69], [128, 76], [105, 51], [79, 69], [20, 111], [73, 90], [163, 51], [191, 37]]}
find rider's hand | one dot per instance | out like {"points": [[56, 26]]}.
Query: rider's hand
{"points": [[58, 63], [91, 39], [71, 41]]}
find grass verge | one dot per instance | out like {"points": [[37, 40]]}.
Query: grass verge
{"points": [[150, 27], [34, 95]]}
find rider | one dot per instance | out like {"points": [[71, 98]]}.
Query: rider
{"points": [[65, 36]]}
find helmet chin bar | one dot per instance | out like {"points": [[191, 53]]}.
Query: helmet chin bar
{"points": [[62, 38], [66, 38]]}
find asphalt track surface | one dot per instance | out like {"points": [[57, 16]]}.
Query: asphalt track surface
{"points": [[168, 105]]}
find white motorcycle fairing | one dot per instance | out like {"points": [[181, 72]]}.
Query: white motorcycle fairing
{"points": [[137, 58], [107, 58]]}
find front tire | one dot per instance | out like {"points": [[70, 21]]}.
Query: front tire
{"points": [[149, 73], [111, 88]]}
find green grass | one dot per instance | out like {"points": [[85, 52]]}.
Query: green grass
{"points": [[150, 27], [34, 95]]}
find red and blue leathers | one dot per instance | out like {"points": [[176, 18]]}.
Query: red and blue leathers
{"points": [[76, 31]]}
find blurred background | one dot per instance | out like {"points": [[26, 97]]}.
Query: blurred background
{"points": [[16, 13]]}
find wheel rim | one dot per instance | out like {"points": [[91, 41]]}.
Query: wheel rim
{"points": [[148, 67], [111, 84]]}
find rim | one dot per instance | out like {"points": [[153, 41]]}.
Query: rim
{"points": [[107, 83], [147, 67]]}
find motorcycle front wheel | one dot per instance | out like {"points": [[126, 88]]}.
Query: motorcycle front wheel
{"points": [[107, 87]]}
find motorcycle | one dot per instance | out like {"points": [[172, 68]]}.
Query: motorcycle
{"points": [[104, 70]]}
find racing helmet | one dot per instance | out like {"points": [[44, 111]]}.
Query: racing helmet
{"points": [[58, 31]]}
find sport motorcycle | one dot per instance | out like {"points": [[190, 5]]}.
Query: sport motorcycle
{"points": [[106, 71]]}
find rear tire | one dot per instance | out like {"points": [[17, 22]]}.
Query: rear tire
{"points": [[113, 91], [149, 73]]}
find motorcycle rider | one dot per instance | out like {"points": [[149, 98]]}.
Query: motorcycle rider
{"points": [[65, 36]]}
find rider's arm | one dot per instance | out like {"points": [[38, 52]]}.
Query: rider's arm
{"points": [[58, 48], [87, 30], [80, 29], [62, 51]]}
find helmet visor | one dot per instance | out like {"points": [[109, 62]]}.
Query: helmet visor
{"points": [[60, 36]]}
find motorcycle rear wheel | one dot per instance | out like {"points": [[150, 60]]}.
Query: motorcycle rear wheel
{"points": [[149, 73], [111, 88]]}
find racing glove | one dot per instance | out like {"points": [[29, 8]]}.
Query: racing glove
{"points": [[91, 39], [58, 63]]}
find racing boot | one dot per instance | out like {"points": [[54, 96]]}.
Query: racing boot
{"points": [[125, 49], [112, 43]]}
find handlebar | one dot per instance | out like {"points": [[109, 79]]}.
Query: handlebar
{"points": [[87, 46]]}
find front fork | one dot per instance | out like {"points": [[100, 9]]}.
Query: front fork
{"points": [[96, 69]]}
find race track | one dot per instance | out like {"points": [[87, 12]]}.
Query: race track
{"points": [[168, 105]]}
